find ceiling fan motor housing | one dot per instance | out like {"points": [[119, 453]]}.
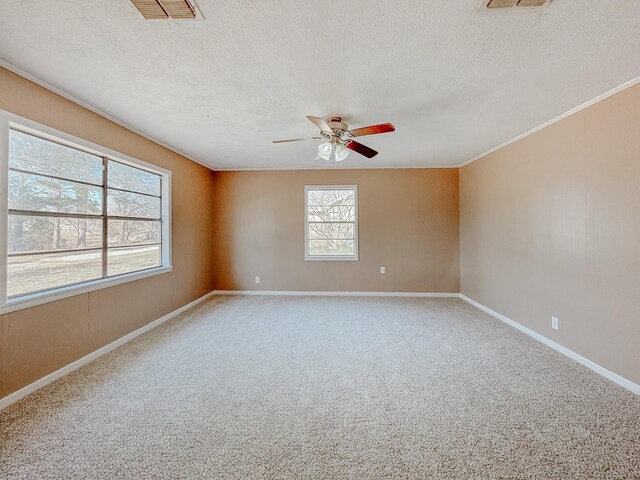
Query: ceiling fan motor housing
{"points": [[337, 124]]}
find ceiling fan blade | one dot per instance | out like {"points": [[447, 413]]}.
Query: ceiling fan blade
{"points": [[296, 140], [373, 129], [360, 148], [321, 124]]}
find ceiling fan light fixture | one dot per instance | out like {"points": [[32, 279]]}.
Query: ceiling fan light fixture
{"points": [[342, 152], [324, 150]]}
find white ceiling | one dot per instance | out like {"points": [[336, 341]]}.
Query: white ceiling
{"points": [[455, 81]]}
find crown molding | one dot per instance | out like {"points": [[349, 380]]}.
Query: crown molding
{"points": [[566, 114], [322, 169]]}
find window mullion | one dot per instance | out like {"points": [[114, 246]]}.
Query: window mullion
{"points": [[105, 233]]}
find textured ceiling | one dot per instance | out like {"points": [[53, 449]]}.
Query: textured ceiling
{"points": [[455, 81]]}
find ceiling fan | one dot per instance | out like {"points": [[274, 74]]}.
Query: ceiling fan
{"points": [[339, 139]]}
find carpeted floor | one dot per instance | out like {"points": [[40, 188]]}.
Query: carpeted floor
{"points": [[326, 388]]}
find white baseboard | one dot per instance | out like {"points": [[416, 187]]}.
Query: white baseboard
{"points": [[23, 392], [614, 377], [316, 293]]}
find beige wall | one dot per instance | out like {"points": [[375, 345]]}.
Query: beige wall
{"points": [[408, 223], [550, 225], [37, 341]]}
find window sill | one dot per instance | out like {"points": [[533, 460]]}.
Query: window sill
{"points": [[31, 300], [331, 259]]}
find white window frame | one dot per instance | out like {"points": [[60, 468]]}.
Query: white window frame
{"points": [[11, 121], [330, 258]]}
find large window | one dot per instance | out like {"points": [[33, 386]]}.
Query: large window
{"points": [[331, 222], [77, 216]]}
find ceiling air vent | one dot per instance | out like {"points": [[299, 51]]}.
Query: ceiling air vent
{"points": [[150, 9], [533, 3], [501, 3], [179, 8], [492, 4], [165, 9]]}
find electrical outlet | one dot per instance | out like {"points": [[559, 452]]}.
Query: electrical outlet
{"points": [[382, 271], [257, 279], [554, 323]]}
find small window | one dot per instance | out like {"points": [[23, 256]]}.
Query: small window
{"points": [[77, 216], [331, 222]]}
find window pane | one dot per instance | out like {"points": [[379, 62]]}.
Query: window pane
{"points": [[126, 204], [130, 178], [330, 231], [331, 216], [34, 192], [331, 197], [30, 273], [131, 259], [27, 152], [331, 248], [319, 213], [30, 233], [132, 232]]}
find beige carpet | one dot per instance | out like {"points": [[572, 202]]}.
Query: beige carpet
{"points": [[326, 388]]}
